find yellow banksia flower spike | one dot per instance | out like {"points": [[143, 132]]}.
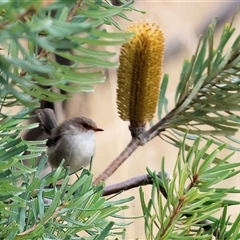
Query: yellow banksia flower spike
{"points": [[139, 74]]}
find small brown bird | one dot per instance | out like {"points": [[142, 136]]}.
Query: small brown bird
{"points": [[72, 140]]}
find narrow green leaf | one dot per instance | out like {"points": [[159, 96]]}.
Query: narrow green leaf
{"points": [[162, 95], [14, 151], [97, 13], [105, 231], [88, 60], [105, 34]]}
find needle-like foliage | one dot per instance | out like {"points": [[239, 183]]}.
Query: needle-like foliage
{"points": [[192, 197], [36, 207], [68, 29], [207, 104], [32, 206], [207, 96]]}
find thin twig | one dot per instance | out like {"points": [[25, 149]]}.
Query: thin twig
{"points": [[131, 183], [130, 148], [206, 225], [172, 216], [146, 136], [142, 139], [73, 11], [145, 179], [134, 182]]}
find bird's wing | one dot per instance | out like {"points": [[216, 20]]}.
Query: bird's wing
{"points": [[54, 137], [47, 119]]}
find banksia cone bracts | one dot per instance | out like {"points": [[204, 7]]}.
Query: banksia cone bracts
{"points": [[139, 75]]}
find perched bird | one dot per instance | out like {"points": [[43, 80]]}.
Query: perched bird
{"points": [[73, 140]]}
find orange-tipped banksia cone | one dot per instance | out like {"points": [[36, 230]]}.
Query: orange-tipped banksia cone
{"points": [[139, 75]]}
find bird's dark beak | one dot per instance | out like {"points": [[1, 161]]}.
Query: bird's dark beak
{"points": [[98, 129]]}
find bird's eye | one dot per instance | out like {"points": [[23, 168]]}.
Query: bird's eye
{"points": [[85, 125]]}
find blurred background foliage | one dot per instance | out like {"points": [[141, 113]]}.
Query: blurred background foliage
{"points": [[29, 71]]}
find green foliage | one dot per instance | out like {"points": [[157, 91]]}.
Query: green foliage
{"points": [[36, 33], [192, 197], [31, 206], [207, 104], [35, 207], [208, 91]]}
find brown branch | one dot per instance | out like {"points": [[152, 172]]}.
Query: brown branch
{"points": [[134, 182], [206, 225], [130, 148], [173, 215], [73, 11], [145, 137], [145, 179], [142, 139]]}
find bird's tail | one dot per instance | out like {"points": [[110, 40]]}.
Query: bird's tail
{"points": [[47, 119]]}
